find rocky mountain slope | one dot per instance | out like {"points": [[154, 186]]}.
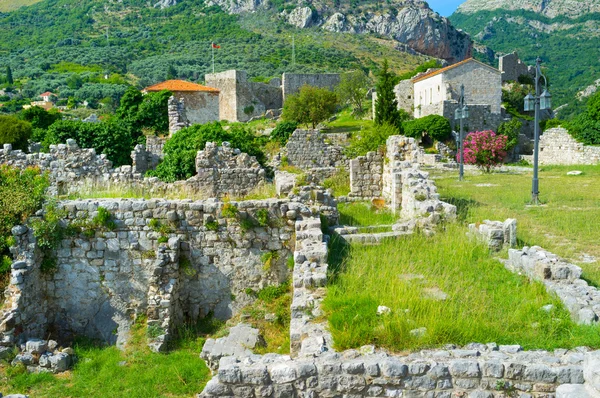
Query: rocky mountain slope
{"points": [[548, 8], [410, 22], [564, 33]]}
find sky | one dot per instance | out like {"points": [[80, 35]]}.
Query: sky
{"points": [[444, 7]]}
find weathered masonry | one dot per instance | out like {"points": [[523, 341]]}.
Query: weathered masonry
{"points": [[169, 260]]}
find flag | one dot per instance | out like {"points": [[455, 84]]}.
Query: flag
{"points": [[215, 46]]}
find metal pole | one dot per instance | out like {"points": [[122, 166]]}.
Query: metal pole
{"points": [[461, 104], [536, 136]]}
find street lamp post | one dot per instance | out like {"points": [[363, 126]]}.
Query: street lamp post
{"points": [[536, 103], [461, 113]]}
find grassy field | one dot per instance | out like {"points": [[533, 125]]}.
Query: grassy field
{"points": [[483, 301], [107, 372], [567, 224]]}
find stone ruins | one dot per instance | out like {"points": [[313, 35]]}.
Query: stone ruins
{"points": [[241, 100], [557, 146]]}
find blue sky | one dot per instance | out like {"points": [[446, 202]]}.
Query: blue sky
{"points": [[444, 7]]}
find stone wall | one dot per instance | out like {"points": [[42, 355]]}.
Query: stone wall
{"points": [[169, 260], [557, 146], [307, 150], [560, 278], [292, 82], [496, 234], [405, 93], [366, 174], [240, 100], [477, 371], [177, 115], [512, 67], [402, 153], [200, 106], [220, 171], [480, 117]]}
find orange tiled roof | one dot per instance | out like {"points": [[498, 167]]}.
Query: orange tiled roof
{"points": [[181, 85], [442, 70], [46, 94]]}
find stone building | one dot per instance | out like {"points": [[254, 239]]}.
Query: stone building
{"points": [[437, 93], [512, 67], [201, 102], [242, 100]]}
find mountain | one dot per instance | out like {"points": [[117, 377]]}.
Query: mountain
{"points": [[410, 22], [564, 33], [143, 38]]}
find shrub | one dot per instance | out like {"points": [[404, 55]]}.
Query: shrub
{"points": [[283, 131], [370, 140], [181, 149], [262, 216], [485, 149], [104, 219], [271, 293], [14, 131], [21, 195], [229, 211], [511, 130], [311, 105], [434, 126]]}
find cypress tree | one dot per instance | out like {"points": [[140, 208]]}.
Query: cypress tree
{"points": [[386, 106], [9, 76]]}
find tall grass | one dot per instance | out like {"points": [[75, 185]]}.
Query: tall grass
{"points": [[108, 372], [485, 303], [360, 214], [100, 190], [568, 223]]}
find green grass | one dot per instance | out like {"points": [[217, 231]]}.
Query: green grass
{"points": [[346, 122], [486, 302], [108, 372], [274, 300], [339, 183], [361, 214], [567, 223]]}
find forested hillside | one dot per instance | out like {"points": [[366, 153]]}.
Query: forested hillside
{"points": [[45, 44]]}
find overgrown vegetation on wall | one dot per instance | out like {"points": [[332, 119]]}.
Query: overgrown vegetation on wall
{"points": [[180, 151], [21, 195]]}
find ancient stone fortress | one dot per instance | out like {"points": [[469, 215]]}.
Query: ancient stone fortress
{"points": [[557, 146], [242, 100]]}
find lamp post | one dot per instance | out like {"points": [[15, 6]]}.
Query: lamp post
{"points": [[536, 103], [461, 113]]}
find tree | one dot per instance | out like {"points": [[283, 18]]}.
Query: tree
{"points": [[171, 73], [511, 130], [586, 127], [353, 89], [386, 106], [39, 117], [9, 76], [311, 105], [14, 131], [434, 126], [283, 131], [74, 81]]}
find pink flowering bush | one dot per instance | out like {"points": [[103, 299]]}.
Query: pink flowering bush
{"points": [[485, 149]]}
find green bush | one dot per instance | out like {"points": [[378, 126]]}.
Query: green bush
{"points": [[180, 150], [14, 131], [104, 219], [586, 127], [21, 195], [271, 293], [434, 126], [310, 106], [511, 129], [370, 140], [283, 131], [112, 138]]}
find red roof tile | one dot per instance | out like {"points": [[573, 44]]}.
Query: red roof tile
{"points": [[181, 85]]}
